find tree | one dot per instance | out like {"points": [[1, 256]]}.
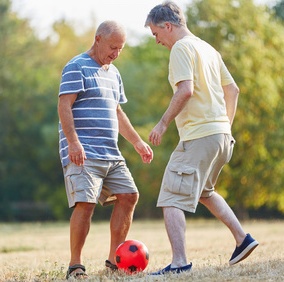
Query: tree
{"points": [[279, 10], [28, 155], [21, 108], [61, 53], [251, 43], [250, 40], [144, 73]]}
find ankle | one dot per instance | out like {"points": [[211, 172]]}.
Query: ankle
{"points": [[177, 264], [240, 239]]}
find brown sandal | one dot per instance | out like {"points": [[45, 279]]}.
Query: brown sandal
{"points": [[110, 265], [76, 275]]}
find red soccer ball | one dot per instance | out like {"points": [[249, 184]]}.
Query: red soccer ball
{"points": [[131, 256]]}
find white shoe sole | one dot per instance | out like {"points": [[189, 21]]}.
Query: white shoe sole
{"points": [[245, 253]]}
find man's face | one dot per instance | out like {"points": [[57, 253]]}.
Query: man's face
{"points": [[109, 48], [162, 34]]}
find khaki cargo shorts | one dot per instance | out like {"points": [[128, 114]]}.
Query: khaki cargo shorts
{"points": [[97, 181], [193, 170]]}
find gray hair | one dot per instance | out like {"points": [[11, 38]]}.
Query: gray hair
{"points": [[107, 28], [168, 11]]}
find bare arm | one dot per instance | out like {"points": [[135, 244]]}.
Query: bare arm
{"points": [[179, 99], [130, 134], [75, 149], [231, 92]]}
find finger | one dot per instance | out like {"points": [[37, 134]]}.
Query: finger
{"points": [[149, 157], [156, 141], [150, 153], [153, 139], [72, 159], [78, 159], [146, 159], [152, 136], [149, 160]]}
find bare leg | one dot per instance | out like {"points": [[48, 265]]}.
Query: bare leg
{"points": [[79, 228], [121, 220], [176, 227], [220, 209]]}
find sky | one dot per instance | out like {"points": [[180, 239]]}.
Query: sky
{"points": [[85, 13]]}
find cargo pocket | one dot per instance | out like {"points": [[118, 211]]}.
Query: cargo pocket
{"points": [[180, 179], [71, 176], [231, 149]]}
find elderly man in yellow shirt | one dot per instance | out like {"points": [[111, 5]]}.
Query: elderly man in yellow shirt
{"points": [[203, 105]]}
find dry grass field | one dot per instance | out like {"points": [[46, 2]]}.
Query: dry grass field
{"points": [[40, 252]]}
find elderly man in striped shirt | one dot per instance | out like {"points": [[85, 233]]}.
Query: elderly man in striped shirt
{"points": [[91, 119]]}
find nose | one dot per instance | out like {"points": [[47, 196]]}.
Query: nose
{"points": [[114, 55]]}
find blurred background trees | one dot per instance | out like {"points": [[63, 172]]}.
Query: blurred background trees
{"points": [[250, 39]]}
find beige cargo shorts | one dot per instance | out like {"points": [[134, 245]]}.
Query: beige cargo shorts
{"points": [[193, 170]]}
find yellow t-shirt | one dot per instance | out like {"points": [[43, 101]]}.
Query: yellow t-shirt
{"points": [[205, 113]]}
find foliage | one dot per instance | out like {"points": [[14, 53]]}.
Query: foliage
{"points": [[144, 72], [250, 41], [24, 97], [279, 10]]}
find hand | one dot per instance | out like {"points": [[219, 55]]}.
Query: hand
{"points": [[145, 151], [157, 132], [76, 153]]}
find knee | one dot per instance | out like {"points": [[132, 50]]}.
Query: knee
{"points": [[210, 198], [201, 200], [128, 199], [86, 209], [204, 200]]}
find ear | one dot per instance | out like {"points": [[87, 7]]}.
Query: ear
{"points": [[97, 38], [168, 26]]}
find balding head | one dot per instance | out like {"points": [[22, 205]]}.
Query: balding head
{"points": [[108, 28]]}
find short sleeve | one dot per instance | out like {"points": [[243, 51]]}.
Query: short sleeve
{"points": [[226, 77], [181, 64], [71, 80]]}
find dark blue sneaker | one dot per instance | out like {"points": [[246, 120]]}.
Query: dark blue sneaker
{"points": [[244, 250], [176, 270]]}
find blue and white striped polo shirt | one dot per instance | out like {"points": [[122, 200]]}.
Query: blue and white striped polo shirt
{"points": [[94, 111]]}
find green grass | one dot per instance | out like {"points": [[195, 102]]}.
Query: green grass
{"points": [[40, 252]]}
